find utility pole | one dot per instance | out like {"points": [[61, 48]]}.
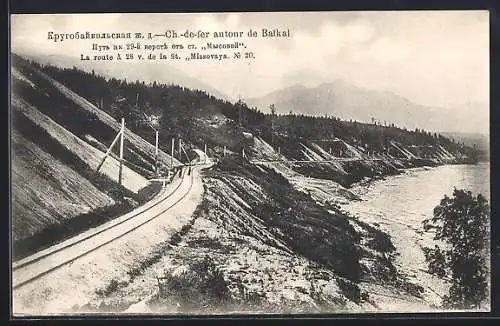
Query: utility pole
{"points": [[121, 151], [180, 150], [224, 153], [156, 153], [273, 113], [187, 156], [205, 153], [172, 155]]}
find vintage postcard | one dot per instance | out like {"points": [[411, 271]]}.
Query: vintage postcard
{"points": [[250, 163]]}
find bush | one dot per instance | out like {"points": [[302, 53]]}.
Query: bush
{"points": [[148, 192], [200, 284], [350, 290], [436, 260], [462, 222], [381, 242]]}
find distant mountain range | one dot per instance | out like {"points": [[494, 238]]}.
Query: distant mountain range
{"points": [[346, 101], [339, 98], [481, 141], [148, 72]]}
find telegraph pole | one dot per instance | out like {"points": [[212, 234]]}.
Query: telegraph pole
{"points": [[244, 156], [156, 153], [205, 153], [187, 156], [273, 113], [180, 150], [172, 156], [121, 151]]}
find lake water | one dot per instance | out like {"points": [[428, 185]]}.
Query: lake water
{"points": [[428, 184], [400, 203]]}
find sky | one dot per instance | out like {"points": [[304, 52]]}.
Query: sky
{"points": [[434, 58]]}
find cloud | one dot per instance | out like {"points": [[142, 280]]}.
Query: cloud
{"points": [[433, 58], [387, 49]]}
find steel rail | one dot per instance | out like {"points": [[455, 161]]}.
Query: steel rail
{"points": [[105, 243]]}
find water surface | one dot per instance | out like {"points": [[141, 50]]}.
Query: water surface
{"points": [[400, 203]]}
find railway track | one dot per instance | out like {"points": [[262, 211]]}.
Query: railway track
{"points": [[53, 263], [36, 257], [317, 161]]}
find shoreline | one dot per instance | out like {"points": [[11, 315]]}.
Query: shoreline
{"points": [[369, 181], [401, 219]]}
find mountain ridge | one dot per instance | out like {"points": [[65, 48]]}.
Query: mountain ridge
{"points": [[135, 71], [347, 101]]}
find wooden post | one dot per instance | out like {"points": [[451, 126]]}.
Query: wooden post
{"points": [[224, 151], [121, 151], [187, 156], [205, 153], [172, 154], [109, 150], [180, 150], [156, 153]]}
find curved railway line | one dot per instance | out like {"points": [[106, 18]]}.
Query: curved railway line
{"points": [[26, 263]]}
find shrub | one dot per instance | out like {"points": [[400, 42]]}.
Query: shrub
{"points": [[200, 284], [381, 242], [350, 290], [148, 192], [462, 222]]}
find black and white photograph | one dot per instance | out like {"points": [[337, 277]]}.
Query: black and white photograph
{"points": [[328, 162]]}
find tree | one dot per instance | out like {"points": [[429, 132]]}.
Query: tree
{"points": [[462, 223], [272, 108]]}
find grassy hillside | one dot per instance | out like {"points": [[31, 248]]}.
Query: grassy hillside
{"points": [[45, 190], [132, 180], [56, 147], [81, 117]]}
